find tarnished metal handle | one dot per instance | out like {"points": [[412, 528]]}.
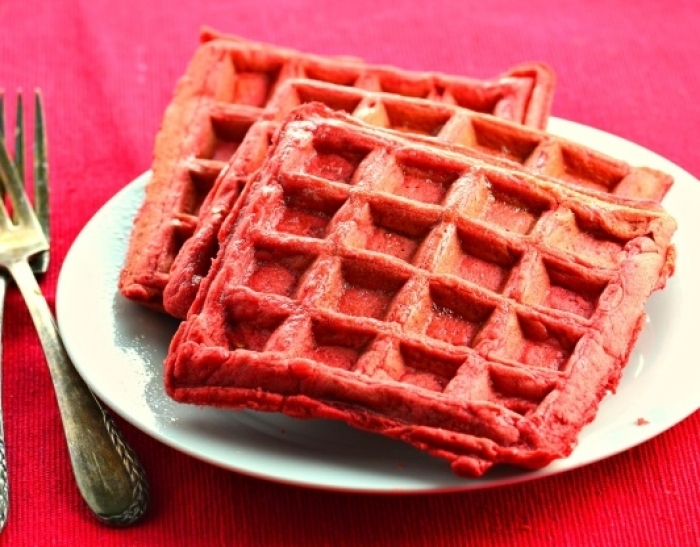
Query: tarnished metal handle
{"points": [[108, 474], [4, 479], [4, 485]]}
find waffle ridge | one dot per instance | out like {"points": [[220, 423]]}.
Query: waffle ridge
{"points": [[480, 135], [225, 90], [472, 309]]}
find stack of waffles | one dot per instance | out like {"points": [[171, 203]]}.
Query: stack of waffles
{"points": [[433, 270]]}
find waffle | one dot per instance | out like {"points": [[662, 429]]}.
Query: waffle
{"points": [[475, 311], [224, 91], [480, 135]]}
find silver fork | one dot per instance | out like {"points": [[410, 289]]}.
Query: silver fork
{"points": [[106, 469], [39, 262]]}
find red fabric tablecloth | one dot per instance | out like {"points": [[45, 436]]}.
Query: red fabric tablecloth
{"points": [[107, 70]]}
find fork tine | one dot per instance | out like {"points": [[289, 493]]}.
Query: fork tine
{"points": [[41, 165], [19, 136], [5, 219], [2, 113], [40, 263], [14, 187]]}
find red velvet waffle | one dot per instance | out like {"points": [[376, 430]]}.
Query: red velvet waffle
{"points": [[225, 90], [509, 144], [476, 311]]}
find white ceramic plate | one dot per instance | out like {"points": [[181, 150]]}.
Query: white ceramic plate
{"points": [[118, 348]]}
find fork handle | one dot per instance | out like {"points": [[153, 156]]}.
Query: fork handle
{"points": [[107, 472], [4, 480]]}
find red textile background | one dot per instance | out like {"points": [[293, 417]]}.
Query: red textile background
{"points": [[107, 70]]}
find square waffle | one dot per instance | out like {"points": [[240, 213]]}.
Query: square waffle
{"points": [[480, 135], [224, 91], [475, 311]]}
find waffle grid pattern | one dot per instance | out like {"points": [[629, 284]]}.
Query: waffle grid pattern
{"points": [[483, 136], [457, 305], [225, 90]]}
